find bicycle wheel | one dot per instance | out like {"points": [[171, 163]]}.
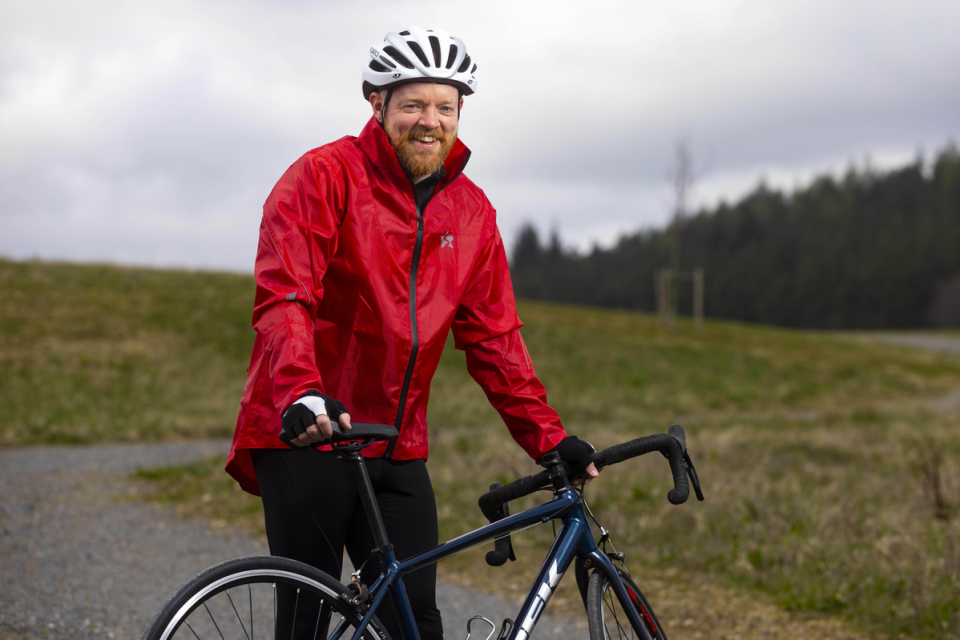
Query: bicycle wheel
{"points": [[606, 617], [260, 597]]}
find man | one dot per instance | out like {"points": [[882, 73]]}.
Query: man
{"points": [[371, 250]]}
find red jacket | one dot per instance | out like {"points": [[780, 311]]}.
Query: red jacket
{"points": [[337, 310]]}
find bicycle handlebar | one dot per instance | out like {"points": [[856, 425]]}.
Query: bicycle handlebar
{"points": [[672, 445]]}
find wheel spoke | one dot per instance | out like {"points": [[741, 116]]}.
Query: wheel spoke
{"points": [[611, 619], [608, 592], [213, 621], [316, 628], [204, 608], [293, 620], [338, 631], [192, 631], [238, 615]]}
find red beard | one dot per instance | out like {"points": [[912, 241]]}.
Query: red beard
{"points": [[417, 161]]}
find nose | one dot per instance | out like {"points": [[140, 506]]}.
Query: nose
{"points": [[430, 118]]}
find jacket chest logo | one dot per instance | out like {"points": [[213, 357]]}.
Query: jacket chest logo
{"points": [[446, 240]]}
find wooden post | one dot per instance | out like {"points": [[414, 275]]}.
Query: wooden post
{"points": [[657, 294], [664, 302], [698, 291]]}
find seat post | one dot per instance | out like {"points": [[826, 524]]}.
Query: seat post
{"points": [[351, 454]]}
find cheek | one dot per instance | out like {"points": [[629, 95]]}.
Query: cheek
{"points": [[449, 128], [397, 131]]}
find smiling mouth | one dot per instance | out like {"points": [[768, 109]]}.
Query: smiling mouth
{"points": [[426, 141]]}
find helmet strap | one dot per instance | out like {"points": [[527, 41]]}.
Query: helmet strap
{"points": [[383, 109]]}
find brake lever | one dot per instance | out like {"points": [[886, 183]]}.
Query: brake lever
{"points": [[692, 473]]}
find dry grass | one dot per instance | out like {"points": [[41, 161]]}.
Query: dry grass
{"points": [[814, 450], [823, 519], [93, 353]]}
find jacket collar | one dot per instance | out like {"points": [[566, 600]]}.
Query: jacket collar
{"points": [[375, 145]]}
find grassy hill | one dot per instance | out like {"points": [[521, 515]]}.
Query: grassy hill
{"points": [[92, 353], [818, 454]]}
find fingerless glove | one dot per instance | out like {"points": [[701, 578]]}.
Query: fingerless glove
{"points": [[303, 413]]}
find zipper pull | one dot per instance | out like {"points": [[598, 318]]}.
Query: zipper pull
{"points": [[420, 223]]}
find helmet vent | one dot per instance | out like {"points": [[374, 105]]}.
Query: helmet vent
{"points": [[419, 53], [399, 57], [435, 45]]}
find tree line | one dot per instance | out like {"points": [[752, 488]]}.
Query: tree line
{"points": [[872, 249]]}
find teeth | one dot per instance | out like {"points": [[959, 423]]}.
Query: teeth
{"points": [[427, 139]]}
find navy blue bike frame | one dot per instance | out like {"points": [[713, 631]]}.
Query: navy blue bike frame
{"points": [[575, 539]]}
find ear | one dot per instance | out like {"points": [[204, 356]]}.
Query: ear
{"points": [[376, 103]]}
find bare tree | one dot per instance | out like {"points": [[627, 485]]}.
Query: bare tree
{"points": [[683, 179], [683, 176]]}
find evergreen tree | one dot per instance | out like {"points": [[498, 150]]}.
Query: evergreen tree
{"points": [[869, 250]]}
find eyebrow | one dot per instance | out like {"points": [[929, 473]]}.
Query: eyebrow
{"points": [[422, 101]]}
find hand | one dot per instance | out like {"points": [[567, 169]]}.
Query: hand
{"points": [[592, 472], [321, 430], [576, 453], [307, 422]]}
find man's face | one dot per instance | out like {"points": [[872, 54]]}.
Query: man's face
{"points": [[421, 123]]}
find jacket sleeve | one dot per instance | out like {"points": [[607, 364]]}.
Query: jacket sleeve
{"points": [[503, 369], [298, 237], [487, 329]]}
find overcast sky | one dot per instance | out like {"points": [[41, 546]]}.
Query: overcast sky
{"points": [[151, 133]]}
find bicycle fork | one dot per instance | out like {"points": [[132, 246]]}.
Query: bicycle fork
{"points": [[574, 539]]}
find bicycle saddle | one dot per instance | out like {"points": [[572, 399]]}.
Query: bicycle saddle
{"points": [[366, 431]]}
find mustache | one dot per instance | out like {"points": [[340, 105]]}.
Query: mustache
{"points": [[419, 133]]}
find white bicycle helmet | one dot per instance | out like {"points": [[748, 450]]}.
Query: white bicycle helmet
{"points": [[415, 55]]}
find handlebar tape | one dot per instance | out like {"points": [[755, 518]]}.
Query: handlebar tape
{"points": [[490, 501], [666, 444], [501, 552], [503, 547]]}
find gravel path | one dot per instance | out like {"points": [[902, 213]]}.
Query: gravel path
{"points": [[943, 344], [82, 557], [931, 342]]}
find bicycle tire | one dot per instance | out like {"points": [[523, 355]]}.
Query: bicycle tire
{"points": [[219, 603], [605, 616]]}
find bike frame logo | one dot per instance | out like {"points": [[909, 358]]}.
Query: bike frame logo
{"points": [[540, 602]]}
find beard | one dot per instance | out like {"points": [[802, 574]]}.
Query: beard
{"points": [[416, 161]]}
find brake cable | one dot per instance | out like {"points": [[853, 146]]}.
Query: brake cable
{"points": [[604, 534]]}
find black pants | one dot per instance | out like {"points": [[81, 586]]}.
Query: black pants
{"points": [[312, 511]]}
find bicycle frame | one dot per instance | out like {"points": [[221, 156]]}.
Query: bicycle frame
{"points": [[575, 539]]}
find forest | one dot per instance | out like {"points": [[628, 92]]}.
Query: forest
{"points": [[871, 249]]}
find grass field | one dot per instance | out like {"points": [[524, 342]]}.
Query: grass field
{"points": [[818, 454]]}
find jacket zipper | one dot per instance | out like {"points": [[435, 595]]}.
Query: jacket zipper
{"points": [[414, 267]]}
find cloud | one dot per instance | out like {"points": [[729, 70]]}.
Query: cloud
{"points": [[152, 133]]}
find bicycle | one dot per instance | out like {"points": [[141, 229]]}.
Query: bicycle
{"points": [[295, 600]]}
